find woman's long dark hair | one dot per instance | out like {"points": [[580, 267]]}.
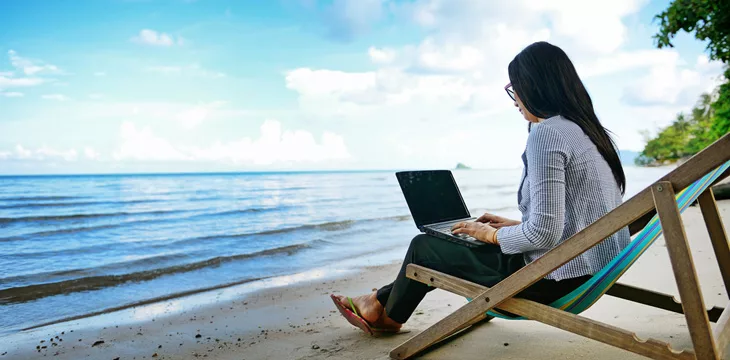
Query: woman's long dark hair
{"points": [[545, 79]]}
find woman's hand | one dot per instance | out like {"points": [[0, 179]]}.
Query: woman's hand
{"points": [[479, 231], [497, 221]]}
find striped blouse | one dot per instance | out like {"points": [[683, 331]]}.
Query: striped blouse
{"points": [[566, 185]]}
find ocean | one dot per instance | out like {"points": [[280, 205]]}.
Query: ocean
{"points": [[77, 245]]}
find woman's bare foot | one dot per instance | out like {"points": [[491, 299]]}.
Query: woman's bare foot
{"points": [[386, 323], [370, 309], [367, 306]]}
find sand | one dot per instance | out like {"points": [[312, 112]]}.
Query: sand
{"points": [[293, 318]]}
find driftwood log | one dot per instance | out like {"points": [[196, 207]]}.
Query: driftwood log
{"points": [[722, 191]]}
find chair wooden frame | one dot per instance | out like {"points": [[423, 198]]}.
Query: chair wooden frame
{"points": [[660, 196]]}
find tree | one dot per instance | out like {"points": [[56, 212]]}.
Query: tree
{"points": [[721, 124], [703, 115], [709, 20], [687, 135]]}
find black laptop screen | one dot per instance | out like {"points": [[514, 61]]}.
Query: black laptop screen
{"points": [[432, 196]]}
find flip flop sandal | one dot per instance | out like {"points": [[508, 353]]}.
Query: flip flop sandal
{"points": [[355, 319]]}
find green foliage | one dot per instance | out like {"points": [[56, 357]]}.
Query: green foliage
{"points": [[708, 19], [643, 160], [699, 132], [721, 107], [710, 118], [687, 135]]}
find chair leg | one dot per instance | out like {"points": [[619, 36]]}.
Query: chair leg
{"points": [[717, 234], [684, 271], [655, 299], [722, 333]]}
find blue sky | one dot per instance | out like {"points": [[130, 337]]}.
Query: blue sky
{"points": [[98, 86]]}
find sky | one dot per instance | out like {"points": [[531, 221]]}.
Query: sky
{"points": [[117, 86]]}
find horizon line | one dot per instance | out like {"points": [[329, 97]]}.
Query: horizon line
{"points": [[250, 172]]}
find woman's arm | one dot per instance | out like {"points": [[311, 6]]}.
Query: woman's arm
{"points": [[547, 156]]}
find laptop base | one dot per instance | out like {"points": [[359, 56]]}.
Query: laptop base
{"points": [[465, 241]]}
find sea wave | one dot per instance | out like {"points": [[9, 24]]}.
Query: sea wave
{"points": [[61, 275], [327, 226], [42, 234], [38, 198], [9, 220], [241, 211], [88, 283], [57, 232], [33, 205]]}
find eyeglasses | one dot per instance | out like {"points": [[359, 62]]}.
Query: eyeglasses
{"points": [[510, 92]]}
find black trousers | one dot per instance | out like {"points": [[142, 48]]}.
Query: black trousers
{"points": [[485, 265]]}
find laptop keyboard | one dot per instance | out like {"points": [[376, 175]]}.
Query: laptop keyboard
{"points": [[447, 230]]}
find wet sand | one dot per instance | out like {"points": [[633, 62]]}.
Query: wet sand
{"points": [[293, 318]]}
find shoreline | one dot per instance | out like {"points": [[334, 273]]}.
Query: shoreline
{"points": [[292, 317], [140, 303], [387, 255], [242, 300], [241, 286], [201, 299]]}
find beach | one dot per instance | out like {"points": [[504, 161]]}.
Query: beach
{"points": [[292, 317]]}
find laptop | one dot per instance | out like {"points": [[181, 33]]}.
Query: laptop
{"points": [[436, 204]]}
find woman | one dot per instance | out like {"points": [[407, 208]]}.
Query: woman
{"points": [[572, 176]]}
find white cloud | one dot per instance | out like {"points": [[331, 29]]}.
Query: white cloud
{"points": [[674, 83], [56, 97], [626, 60], [477, 35], [194, 116], [154, 38], [173, 114], [142, 144], [329, 82], [591, 26], [30, 66], [338, 93], [435, 57], [274, 145], [193, 70], [8, 82], [381, 56], [408, 114], [27, 72], [40, 154], [12, 94], [449, 85], [91, 154], [595, 25]]}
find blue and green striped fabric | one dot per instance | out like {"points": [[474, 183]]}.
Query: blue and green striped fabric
{"points": [[585, 296]]}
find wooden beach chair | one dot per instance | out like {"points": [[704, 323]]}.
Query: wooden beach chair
{"points": [[667, 197]]}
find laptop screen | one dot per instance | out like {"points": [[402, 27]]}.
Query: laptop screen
{"points": [[432, 196]]}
